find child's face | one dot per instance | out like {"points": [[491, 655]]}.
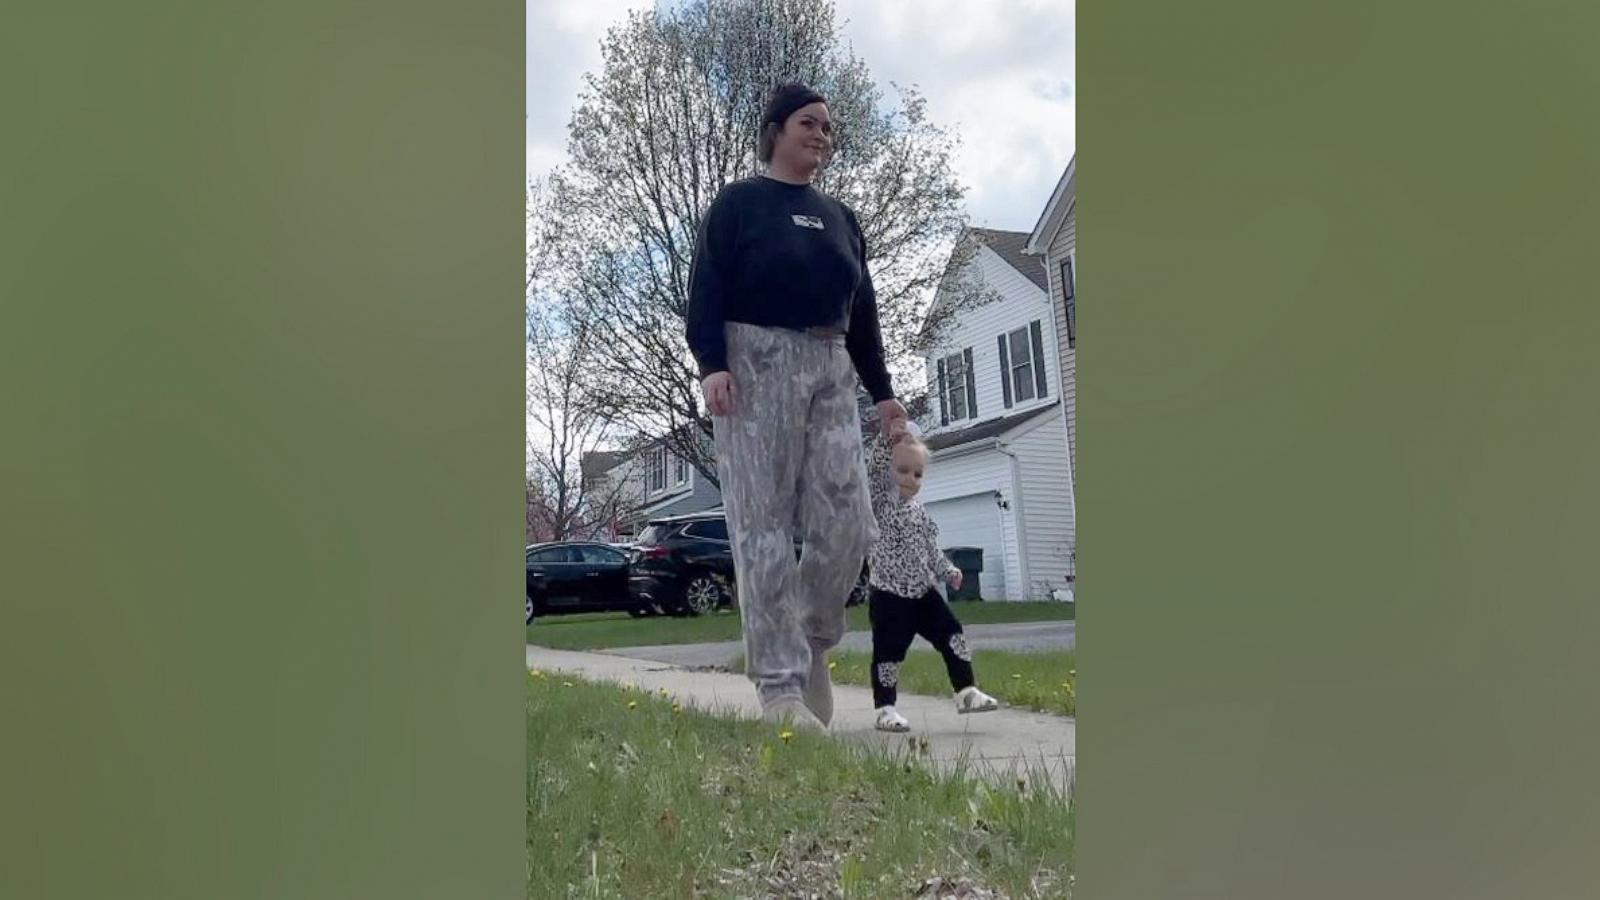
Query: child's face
{"points": [[908, 463]]}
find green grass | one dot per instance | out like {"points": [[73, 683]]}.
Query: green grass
{"points": [[597, 631], [627, 797], [1045, 681]]}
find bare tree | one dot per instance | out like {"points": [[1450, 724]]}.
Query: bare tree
{"points": [[565, 421], [668, 121]]}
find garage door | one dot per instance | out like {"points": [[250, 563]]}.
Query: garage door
{"points": [[973, 522]]}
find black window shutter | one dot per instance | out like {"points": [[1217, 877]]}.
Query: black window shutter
{"points": [[944, 397], [1005, 372], [1039, 378], [972, 384], [1070, 299]]}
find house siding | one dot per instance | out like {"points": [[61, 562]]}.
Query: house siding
{"points": [[1062, 247], [1048, 507], [698, 494], [1020, 302]]}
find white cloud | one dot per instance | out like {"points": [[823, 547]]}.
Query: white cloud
{"points": [[1001, 71], [563, 43]]}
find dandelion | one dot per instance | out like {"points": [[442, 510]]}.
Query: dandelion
{"points": [[632, 704], [677, 708], [833, 664], [785, 735], [1016, 676], [536, 673], [1066, 685], [1072, 672], [566, 684], [663, 692]]}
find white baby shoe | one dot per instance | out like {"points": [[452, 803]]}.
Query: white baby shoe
{"points": [[971, 700], [890, 720]]}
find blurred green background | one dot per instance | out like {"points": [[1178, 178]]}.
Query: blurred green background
{"points": [[260, 306], [1338, 382]]}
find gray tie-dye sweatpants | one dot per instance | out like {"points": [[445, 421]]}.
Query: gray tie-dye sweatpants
{"points": [[789, 458]]}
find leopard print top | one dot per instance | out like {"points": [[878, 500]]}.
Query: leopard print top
{"points": [[905, 559]]}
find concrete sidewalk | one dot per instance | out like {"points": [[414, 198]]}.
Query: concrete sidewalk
{"points": [[1018, 636], [996, 744]]}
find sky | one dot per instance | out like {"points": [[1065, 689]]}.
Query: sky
{"points": [[1001, 72]]}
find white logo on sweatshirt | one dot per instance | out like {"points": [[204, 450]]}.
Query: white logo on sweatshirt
{"points": [[808, 222]]}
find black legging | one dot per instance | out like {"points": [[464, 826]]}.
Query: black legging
{"points": [[896, 621]]}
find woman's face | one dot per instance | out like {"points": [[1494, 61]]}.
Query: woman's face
{"points": [[806, 140]]}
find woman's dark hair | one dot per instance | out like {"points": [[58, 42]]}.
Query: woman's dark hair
{"points": [[785, 100]]}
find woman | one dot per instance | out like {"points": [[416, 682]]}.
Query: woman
{"points": [[782, 317]]}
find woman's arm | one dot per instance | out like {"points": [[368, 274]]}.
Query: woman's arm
{"points": [[708, 287], [864, 339]]}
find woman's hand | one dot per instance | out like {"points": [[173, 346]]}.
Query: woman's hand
{"points": [[717, 388], [955, 581], [891, 414]]}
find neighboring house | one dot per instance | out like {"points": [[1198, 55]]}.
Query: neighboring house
{"points": [[1053, 242], [1000, 477], [646, 484]]}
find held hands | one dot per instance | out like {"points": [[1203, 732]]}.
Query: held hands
{"points": [[955, 581], [893, 418], [717, 388]]}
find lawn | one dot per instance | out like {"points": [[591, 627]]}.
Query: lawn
{"points": [[596, 631], [1042, 681], [629, 796]]}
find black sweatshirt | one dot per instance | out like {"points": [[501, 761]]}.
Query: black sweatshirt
{"points": [[783, 255]]}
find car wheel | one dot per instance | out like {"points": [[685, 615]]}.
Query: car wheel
{"points": [[527, 610], [702, 595]]}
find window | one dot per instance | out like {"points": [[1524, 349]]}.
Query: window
{"points": [[712, 529], [1021, 365], [958, 394], [551, 555], [1069, 300], [1022, 369], [680, 470], [594, 553], [656, 470]]}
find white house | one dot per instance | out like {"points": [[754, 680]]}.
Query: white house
{"points": [[1001, 476], [1054, 244]]}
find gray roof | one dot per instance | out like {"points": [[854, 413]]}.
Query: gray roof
{"points": [[1009, 245], [600, 462], [985, 430]]}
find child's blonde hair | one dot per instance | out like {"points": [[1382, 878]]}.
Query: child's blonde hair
{"points": [[913, 442]]}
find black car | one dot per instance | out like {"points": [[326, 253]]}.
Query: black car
{"points": [[684, 564], [578, 576]]}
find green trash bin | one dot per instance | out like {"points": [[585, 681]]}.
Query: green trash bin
{"points": [[970, 561]]}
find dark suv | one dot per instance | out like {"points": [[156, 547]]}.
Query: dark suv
{"points": [[684, 564]]}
